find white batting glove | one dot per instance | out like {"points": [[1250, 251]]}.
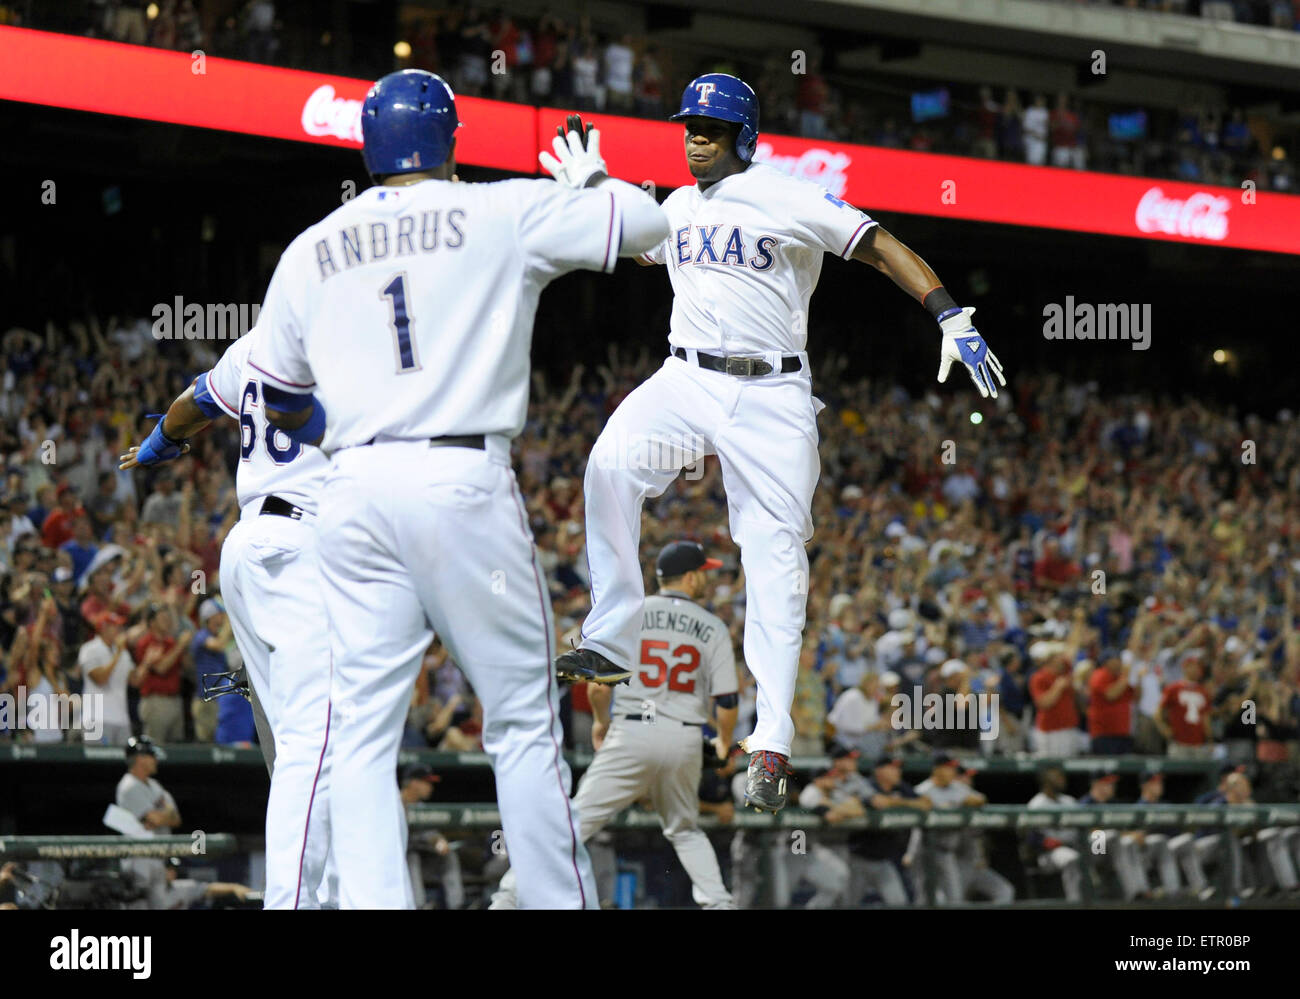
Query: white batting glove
{"points": [[962, 342], [573, 165]]}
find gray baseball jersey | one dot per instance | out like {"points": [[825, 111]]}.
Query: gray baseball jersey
{"points": [[951, 796], [139, 797], [678, 637]]}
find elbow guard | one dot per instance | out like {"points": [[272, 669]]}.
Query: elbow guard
{"points": [[203, 398], [295, 402], [727, 700]]}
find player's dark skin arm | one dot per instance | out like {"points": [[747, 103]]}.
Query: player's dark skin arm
{"points": [[183, 419], [892, 258], [724, 720]]}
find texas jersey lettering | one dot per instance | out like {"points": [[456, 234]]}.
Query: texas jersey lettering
{"points": [[731, 294]]}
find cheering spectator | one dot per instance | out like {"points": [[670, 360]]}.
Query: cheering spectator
{"points": [[57, 526], [1051, 687], [649, 84], [1111, 692], [208, 652], [859, 719], [1036, 121], [1067, 149], [1184, 716], [619, 61], [105, 664], [158, 676]]}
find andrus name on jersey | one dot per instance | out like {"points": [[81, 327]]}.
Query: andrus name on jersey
{"points": [[704, 244], [666, 620], [379, 241]]}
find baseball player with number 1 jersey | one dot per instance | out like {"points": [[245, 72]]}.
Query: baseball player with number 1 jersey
{"points": [[648, 743], [398, 331], [270, 582], [744, 254]]}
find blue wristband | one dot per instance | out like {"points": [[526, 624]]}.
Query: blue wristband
{"points": [[158, 447]]}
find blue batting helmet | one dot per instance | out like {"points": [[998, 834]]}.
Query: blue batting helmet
{"points": [[727, 98], [408, 121]]}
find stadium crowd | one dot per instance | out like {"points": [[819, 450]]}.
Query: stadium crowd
{"points": [[568, 61], [1068, 535]]}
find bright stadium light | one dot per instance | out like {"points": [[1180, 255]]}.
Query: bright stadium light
{"points": [[402, 50], [151, 12], [977, 418], [1220, 357]]}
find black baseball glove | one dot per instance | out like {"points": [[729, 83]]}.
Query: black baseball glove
{"points": [[574, 124]]}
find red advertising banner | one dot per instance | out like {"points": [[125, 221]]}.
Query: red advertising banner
{"points": [[133, 81], [87, 74]]}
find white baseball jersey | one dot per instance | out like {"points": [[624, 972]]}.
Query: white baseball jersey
{"points": [[270, 462], [678, 637], [744, 257], [408, 311]]}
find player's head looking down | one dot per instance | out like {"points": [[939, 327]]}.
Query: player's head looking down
{"points": [[682, 567], [408, 128], [720, 113]]}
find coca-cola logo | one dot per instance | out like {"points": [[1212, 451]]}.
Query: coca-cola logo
{"points": [[821, 166], [1202, 216], [326, 114]]}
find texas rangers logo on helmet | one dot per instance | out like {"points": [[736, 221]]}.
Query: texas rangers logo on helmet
{"points": [[705, 89]]}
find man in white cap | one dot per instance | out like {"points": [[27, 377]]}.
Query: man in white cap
{"points": [[1056, 720], [105, 666]]}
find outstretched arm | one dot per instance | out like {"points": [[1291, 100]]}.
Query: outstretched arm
{"points": [[961, 341], [183, 419], [896, 261]]}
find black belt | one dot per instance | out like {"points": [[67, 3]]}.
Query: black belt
{"points": [[276, 507], [643, 718], [740, 366], [476, 441]]}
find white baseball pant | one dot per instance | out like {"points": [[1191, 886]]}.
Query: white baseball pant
{"points": [[660, 761], [418, 540], [270, 581], [764, 432], [1154, 853], [1065, 860]]}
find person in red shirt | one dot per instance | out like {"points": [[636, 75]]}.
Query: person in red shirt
{"points": [[159, 651], [57, 527], [1184, 714], [1067, 151], [1110, 707], [1052, 688], [99, 597], [1053, 571]]}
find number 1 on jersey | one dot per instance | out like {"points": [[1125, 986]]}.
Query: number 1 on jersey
{"points": [[395, 292]]}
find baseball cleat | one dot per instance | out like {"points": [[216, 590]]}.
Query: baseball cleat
{"points": [[584, 664], [766, 782]]}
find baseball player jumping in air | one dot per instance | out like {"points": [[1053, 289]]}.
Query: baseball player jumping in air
{"points": [[270, 580], [397, 338], [744, 255], [648, 746]]}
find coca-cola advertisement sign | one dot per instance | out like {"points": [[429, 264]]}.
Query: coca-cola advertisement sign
{"points": [[1200, 216], [134, 81], [325, 113], [821, 166]]}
